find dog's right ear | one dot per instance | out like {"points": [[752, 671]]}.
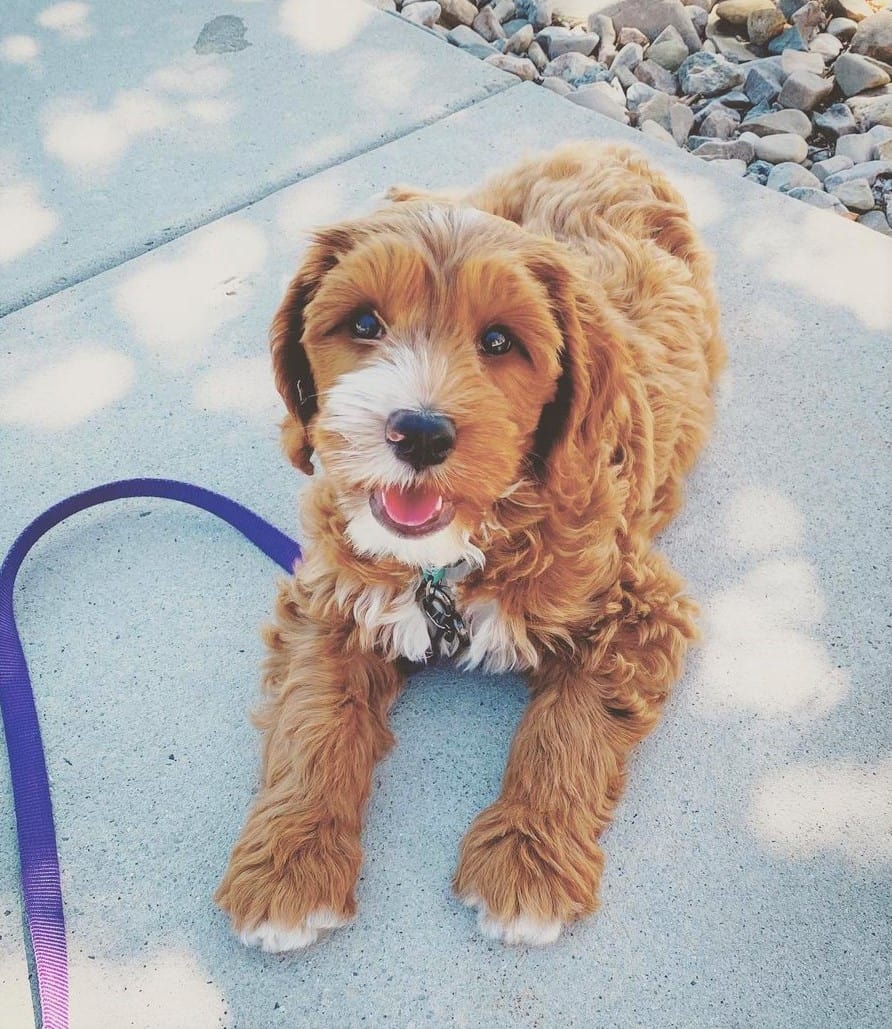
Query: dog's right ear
{"points": [[294, 375]]}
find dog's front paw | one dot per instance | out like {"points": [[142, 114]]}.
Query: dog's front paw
{"points": [[284, 888], [527, 873], [276, 939]]}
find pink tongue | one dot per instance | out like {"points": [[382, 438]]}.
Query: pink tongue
{"points": [[411, 506]]}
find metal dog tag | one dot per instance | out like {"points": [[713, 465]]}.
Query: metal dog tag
{"points": [[445, 625]]}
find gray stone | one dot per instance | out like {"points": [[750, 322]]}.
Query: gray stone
{"points": [[652, 16], [856, 194], [457, 12], [708, 74], [504, 10], [656, 131], [629, 57], [224, 34], [576, 69], [630, 35], [788, 175], [596, 100], [804, 91], [759, 171], [842, 28], [724, 149], [557, 85], [522, 67], [794, 60], [816, 198], [854, 74], [857, 10], [826, 45], [809, 19], [639, 94], [790, 121], [488, 25], [653, 75], [831, 166], [763, 25], [556, 41], [870, 171], [877, 112], [789, 7], [668, 50], [675, 117], [699, 19], [426, 12], [873, 37], [519, 42], [877, 221], [467, 39], [539, 12], [860, 148], [763, 84], [737, 11], [603, 28], [720, 123], [535, 53], [837, 120], [789, 39], [781, 148], [724, 39], [514, 25]]}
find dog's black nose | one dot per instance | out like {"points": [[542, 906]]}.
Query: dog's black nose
{"points": [[420, 438]]}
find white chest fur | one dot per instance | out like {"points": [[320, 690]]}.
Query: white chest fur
{"points": [[395, 623]]}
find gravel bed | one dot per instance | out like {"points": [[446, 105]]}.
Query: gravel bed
{"points": [[793, 94]]}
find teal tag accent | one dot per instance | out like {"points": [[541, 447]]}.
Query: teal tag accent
{"points": [[436, 576]]}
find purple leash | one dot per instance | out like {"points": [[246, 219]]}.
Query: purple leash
{"points": [[41, 886]]}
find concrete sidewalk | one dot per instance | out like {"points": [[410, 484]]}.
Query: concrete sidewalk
{"points": [[748, 868]]}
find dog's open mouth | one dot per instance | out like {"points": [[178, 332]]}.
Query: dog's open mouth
{"points": [[416, 511]]}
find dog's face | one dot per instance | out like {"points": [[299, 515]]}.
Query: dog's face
{"points": [[423, 355]]}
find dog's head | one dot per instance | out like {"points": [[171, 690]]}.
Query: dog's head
{"points": [[434, 356]]}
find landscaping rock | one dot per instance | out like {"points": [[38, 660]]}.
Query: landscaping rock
{"points": [[539, 12], [781, 148], [790, 121], [764, 24], [522, 67], [856, 194], [860, 148], [652, 16], [873, 37], [809, 19], [827, 46], [595, 100], [763, 84], [653, 75], [426, 12], [535, 53], [837, 120], [842, 28], [788, 175], [823, 169], [731, 166], [556, 41], [488, 25], [854, 74], [519, 43], [730, 149], [457, 12], [804, 91], [759, 171], [557, 85], [576, 69], [789, 39], [467, 39], [708, 74], [737, 11], [668, 50], [856, 10], [877, 221], [870, 171], [720, 123], [817, 198]]}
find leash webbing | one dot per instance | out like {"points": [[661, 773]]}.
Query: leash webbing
{"points": [[41, 886]]}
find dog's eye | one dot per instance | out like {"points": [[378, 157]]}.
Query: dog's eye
{"points": [[367, 325], [495, 341]]}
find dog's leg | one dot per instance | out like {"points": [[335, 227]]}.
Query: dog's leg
{"points": [[293, 870], [531, 862]]}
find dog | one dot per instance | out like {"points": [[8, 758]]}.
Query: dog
{"points": [[505, 388]]}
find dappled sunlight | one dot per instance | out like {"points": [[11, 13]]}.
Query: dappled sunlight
{"points": [[175, 304], [309, 204], [840, 806], [243, 385], [169, 989], [19, 49], [66, 392], [323, 27], [88, 139], [70, 18], [389, 79], [700, 193], [24, 219], [848, 267], [761, 520], [759, 655]]}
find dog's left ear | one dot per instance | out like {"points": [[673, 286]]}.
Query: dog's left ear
{"points": [[568, 435], [294, 375]]}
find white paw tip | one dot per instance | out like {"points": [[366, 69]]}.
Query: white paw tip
{"points": [[277, 939], [525, 930]]}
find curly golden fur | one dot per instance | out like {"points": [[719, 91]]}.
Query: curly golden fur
{"points": [[569, 456]]}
